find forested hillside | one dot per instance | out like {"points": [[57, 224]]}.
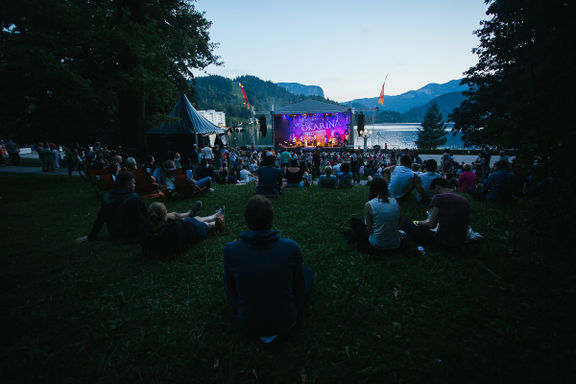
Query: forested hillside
{"points": [[223, 94]]}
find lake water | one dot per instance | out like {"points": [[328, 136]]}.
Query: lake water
{"points": [[402, 136]]}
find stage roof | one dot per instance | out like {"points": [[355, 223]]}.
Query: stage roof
{"points": [[310, 106], [188, 122]]}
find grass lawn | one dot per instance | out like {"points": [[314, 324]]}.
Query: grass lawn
{"points": [[99, 313]]}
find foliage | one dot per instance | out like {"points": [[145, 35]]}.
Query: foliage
{"points": [[516, 97], [432, 134], [223, 94], [81, 70], [498, 312]]}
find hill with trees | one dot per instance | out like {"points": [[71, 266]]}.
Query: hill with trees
{"points": [[224, 94]]}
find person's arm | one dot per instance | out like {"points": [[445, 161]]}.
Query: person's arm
{"points": [[387, 172], [368, 217], [431, 221], [419, 188], [229, 278]]}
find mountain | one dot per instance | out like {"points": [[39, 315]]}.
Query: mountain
{"points": [[411, 99], [301, 89], [446, 104], [224, 94]]}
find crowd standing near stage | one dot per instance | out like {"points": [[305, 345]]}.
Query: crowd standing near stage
{"points": [[272, 303]]}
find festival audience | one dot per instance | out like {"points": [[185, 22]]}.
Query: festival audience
{"points": [[264, 278], [296, 176], [466, 179], [344, 175], [123, 212], [450, 216], [173, 233], [498, 186], [425, 179], [328, 180], [380, 229], [401, 179], [269, 178]]}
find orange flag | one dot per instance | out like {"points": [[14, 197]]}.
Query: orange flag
{"points": [[244, 94], [381, 98]]}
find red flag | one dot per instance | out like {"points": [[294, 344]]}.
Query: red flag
{"points": [[244, 94], [381, 98]]}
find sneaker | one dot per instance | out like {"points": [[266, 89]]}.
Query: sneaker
{"points": [[211, 190], [195, 209], [220, 210]]}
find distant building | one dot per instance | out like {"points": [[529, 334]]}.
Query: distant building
{"points": [[216, 118]]}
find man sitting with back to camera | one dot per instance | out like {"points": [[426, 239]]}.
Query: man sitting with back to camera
{"points": [[450, 212], [269, 181], [401, 179], [123, 211], [328, 180], [264, 279]]}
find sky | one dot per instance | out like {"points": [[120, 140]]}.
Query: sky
{"points": [[345, 47]]}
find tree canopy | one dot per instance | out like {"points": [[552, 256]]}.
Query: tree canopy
{"points": [[522, 89], [82, 70], [432, 134]]}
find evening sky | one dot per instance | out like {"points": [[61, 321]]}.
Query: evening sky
{"points": [[346, 47]]}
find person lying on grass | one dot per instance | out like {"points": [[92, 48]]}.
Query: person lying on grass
{"points": [[173, 233], [264, 279], [123, 211]]}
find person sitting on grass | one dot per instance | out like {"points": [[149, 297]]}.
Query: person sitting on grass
{"points": [[345, 179], [498, 186], [380, 229], [450, 212], [264, 278], [402, 180], [328, 180], [295, 175], [425, 179], [466, 179], [173, 233], [269, 181], [123, 211]]}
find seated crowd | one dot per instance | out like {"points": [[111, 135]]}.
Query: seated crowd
{"points": [[264, 278]]}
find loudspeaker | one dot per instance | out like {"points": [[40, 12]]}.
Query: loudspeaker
{"points": [[262, 122], [360, 123]]}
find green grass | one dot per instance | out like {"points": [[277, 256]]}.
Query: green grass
{"points": [[97, 312]]}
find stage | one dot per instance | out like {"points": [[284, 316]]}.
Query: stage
{"points": [[311, 124]]}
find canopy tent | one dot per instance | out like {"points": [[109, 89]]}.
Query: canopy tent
{"points": [[310, 106], [187, 122]]}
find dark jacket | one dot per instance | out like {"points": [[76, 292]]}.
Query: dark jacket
{"points": [[124, 213], [499, 186], [264, 280]]}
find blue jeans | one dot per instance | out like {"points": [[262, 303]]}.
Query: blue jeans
{"points": [[205, 182]]}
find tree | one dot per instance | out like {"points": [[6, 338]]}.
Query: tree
{"points": [[432, 134], [78, 69], [521, 91]]}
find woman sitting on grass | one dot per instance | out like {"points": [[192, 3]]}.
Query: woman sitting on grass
{"points": [[380, 230], [295, 175], [174, 232]]}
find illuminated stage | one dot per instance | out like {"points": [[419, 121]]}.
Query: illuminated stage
{"points": [[312, 124]]}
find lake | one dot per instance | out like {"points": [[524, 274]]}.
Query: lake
{"points": [[402, 135]]}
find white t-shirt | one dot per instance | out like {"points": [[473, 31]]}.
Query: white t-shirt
{"points": [[386, 221]]}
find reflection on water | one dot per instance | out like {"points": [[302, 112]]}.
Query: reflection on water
{"points": [[402, 136]]}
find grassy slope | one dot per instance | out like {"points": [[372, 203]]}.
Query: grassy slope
{"points": [[97, 312]]}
